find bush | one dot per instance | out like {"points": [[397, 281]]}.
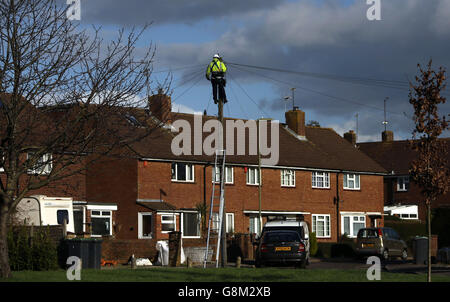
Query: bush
{"points": [[440, 225], [31, 253], [313, 247], [345, 248]]}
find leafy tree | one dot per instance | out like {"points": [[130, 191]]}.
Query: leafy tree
{"points": [[430, 169], [313, 123]]}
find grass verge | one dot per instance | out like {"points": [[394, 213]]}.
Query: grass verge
{"points": [[159, 274]]}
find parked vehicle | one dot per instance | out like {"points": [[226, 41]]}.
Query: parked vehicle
{"points": [[301, 227], [383, 242], [44, 210], [281, 247]]}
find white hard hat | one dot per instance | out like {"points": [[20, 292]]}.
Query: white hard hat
{"points": [[216, 56]]}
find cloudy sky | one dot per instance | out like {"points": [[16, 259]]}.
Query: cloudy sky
{"points": [[345, 64]]}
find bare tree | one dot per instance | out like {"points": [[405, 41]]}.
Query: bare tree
{"points": [[430, 170], [64, 93]]}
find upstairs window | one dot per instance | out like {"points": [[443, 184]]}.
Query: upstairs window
{"points": [[182, 172], [351, 181], [253, 176], [288, 178], [403, 183], [321, 180], [229, 177], [43, 164]]}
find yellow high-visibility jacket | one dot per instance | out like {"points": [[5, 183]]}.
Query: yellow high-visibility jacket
{"points": [[216, 66]]}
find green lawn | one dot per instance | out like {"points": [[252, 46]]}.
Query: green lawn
{"points": [[219, 275]]}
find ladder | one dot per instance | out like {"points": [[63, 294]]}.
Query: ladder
{"points": [[217, 200]]}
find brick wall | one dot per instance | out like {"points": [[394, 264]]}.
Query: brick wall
{"points": [[412, 197], [122, 249], [154, 182], [113, 180]]}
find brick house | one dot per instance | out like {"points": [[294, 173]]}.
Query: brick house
{"points": [[400, 193], [137, 198], [157, 192]]}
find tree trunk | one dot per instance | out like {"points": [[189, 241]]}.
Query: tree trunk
{"points": [[5, 270], [429, 240]]}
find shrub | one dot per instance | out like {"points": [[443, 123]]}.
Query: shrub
{"points": [[313, 247], [31, 253], [440, 225]]}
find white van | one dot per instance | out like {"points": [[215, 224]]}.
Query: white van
{"points": [[43, 210], [290, 225]]}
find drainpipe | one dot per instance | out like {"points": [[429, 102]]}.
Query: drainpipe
{"points": [[337, 201]]}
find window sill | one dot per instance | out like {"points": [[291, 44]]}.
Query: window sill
{"points": [[191, 237], [184, 181], [253, 185], [145, 238], [324, 188], [284, 186], [350, 189]]}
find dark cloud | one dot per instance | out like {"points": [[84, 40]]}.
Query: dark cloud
{"points": [[138, 12], [339, 41], [306, 36]]}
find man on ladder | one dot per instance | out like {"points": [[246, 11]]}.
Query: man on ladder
{"points": [[215, 72]]}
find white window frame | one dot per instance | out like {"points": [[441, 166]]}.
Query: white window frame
{"points": [[403, 186], [353, 219], [102, 216], [256, 180], [46, 168], [325, 176], [324, 218], [352, 177], [83, 210], [256, 225], [232, 222], [140, 225], [198, 226], [188, 166], [173, 221], [407, 216], [217, 175], [287, 178]]}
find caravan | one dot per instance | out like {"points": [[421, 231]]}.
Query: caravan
{"points": [[43, 210]]}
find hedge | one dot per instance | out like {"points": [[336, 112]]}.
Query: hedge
{"points": [[26, 252]]}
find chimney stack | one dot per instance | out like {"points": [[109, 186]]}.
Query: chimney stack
{"points": [[350, 137], [387, 136], [160, 106], [295, 119]]}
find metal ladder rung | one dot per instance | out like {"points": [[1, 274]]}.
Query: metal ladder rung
{"points": [[212, 223]]}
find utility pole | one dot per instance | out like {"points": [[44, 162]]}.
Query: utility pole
{"points": [[356, 126], [223, 239], [259, 181]]}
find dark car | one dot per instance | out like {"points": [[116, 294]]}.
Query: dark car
{"points": [[281, 247], [384, 242]]}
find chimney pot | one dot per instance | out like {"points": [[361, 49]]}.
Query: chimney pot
{"points": [[387, 136], [350, 136], [160, 106], [295, 119]]}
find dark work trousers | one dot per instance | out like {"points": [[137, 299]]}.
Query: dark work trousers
{"points": [[218, 84]]}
